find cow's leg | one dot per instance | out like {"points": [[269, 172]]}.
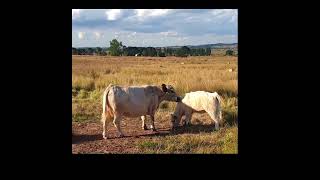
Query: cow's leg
{"points": [[152, 123], [187, 121], [116, 123], [144, 126], [104, 119], [215, 119]]}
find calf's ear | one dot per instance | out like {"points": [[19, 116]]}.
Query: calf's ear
{"points": [[164, 88]]}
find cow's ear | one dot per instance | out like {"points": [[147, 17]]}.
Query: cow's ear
{"points": [[164, 88]]}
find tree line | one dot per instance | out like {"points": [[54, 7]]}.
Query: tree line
{"points": [[117, 49]]}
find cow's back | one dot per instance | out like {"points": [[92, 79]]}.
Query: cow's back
{"points": [[199, 100]]}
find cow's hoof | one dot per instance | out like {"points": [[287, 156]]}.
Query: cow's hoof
{"points": [[120, 135], [104, 137], [154, 130]]}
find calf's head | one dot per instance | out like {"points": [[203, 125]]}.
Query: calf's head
{"points": [[170, 94]]}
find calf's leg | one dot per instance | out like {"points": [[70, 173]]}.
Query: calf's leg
{"points": [[215, 119], [187, 121]]}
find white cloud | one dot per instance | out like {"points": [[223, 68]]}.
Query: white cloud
{"points": [[140, 12], [75, 13], [113, 14], [145, 13], [225, 13], [159, 12], [81, 35], [234, 16], [153, 27], [169, 33], [98, 35]]}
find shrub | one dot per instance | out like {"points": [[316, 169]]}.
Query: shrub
{"points": [[229, 52], [74, 92], [95, 95], [94, 75], [83, 94], [164, 105], [107, 71]]}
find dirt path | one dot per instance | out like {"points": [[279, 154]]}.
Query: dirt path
{"points": [[87, 137]]}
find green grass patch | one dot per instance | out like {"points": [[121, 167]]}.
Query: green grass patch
{"points": [[224, 141], [84, 110]]}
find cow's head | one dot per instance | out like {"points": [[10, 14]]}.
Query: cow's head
{"points": [[170, 94]]}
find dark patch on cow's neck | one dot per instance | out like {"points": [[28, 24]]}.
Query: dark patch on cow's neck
{"points": [[161, 97]]}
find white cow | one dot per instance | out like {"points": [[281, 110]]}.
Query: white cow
{"points": [[199, 102], [134, 101]]}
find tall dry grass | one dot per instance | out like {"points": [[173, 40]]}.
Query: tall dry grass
{"points": [[185, 74], [92, 74]]}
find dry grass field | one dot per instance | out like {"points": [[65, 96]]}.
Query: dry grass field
{"points": [[92, 74]]}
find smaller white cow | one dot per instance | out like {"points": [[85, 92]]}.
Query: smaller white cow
{"points": [[199, 102]]}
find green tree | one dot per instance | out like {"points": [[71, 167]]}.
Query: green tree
{"points": [[125, 51], [183, 51], [203, 52], [193, 52], [198, 52], [90, 51], [74, 51], [229, 52], [98, 50], [145, 52], [208, 51], [151, 51], [115, 48], [161, 54]]}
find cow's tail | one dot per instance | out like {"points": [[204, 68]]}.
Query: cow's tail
{"points": [[106, 111], [219, 107]]}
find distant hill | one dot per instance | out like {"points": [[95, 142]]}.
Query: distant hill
{"points": [[212, 46]]}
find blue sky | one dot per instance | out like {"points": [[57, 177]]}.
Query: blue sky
{"points": [[153, 27]]}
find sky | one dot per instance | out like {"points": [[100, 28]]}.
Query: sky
{"points": [[153, 27]]}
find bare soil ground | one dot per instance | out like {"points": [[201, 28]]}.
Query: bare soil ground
{"points": [[87, 137]]}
